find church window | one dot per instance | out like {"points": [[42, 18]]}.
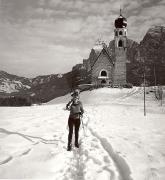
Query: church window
{"points": [[120, 33], [116, 33], [103, 73], [120, 43]]}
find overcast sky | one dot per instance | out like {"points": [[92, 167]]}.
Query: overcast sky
{"points": [[39, 37]]}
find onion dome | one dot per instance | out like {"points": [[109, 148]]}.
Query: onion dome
{"points": [[121, 22]]}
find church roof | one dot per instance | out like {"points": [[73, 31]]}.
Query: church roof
{"points": [[104, 49]]}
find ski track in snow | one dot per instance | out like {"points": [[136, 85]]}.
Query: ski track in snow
{"points": [[6, 160], [121, 165]]}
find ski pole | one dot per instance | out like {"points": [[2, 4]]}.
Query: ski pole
{"points": [[83, 126]]}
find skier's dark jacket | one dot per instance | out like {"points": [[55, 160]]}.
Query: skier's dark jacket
{"points": [[76, 109]]}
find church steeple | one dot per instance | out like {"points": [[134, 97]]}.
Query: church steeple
{"points": [[120, 37]]}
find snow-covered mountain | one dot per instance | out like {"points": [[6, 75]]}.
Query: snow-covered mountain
{"points": [[11, 83], [118, 142]]}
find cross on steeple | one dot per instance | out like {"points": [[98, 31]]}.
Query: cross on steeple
{"points": [[120, 11]]}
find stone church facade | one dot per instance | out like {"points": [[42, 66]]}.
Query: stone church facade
{"points": [[102, 67], [107, 66]]}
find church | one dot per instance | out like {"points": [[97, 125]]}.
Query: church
{"points": [[105, 65]]}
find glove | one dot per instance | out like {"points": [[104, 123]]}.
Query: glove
{"points": [[67, 108]]}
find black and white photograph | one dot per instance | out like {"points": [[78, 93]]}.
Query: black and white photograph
{"points": [[82, 89]]}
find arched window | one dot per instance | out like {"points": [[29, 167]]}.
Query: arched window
{"points": [[103, 73], [116, 33], [120, 33], [120, 43]]}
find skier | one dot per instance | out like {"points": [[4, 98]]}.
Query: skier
{"points": [[76, 111]]}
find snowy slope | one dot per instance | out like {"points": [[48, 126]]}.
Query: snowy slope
{"points": [[119, 143]]}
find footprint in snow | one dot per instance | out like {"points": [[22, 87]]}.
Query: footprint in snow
{"points": [[106, 159], [152, 175]]}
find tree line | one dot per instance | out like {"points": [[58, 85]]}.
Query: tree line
{"points": [[15, 101]]}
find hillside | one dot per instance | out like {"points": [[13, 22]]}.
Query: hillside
{"points": [[118, 142]]}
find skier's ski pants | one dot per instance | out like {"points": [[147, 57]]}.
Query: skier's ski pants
{"points": [[76, 123]]}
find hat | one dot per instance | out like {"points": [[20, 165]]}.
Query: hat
{"points": [[76, 92]]}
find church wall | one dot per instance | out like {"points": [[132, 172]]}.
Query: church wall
{"points": [[102, 63]]}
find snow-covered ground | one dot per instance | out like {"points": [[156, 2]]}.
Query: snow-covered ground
{"points": [[117, 143]]}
